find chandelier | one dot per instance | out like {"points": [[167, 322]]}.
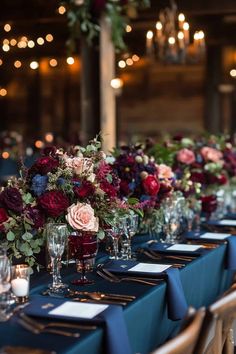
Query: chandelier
{"points": [[171, 42]]}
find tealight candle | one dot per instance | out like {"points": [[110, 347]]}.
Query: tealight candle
{"points": [[20, 286], [20, 278]]}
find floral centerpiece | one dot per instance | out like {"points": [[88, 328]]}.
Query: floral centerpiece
{"points": [[143, 180], [78, 187], [84, 17]]}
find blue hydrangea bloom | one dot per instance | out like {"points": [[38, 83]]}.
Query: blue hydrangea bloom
{"points": [[60, 181], [132, 186], [39, 184], [144, 197], [77, 183]]}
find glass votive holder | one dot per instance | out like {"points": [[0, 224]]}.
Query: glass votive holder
{"points": [[20, 280]]}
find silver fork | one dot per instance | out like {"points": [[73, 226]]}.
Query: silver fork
{"points": [[105, 274]]}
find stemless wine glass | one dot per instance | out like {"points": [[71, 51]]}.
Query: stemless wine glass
{"points": [[56, 240], [83, 248]]}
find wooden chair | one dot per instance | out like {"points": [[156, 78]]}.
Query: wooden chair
{"points": [[185, 341], [216, 336]]}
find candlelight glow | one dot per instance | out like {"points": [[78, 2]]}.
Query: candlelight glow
{"points": [[159, 25], [171, 40], [149, 35], [34, 65], [181, 17], [117, 83]]}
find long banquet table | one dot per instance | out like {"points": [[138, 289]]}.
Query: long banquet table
{"points": [[203, 280]]}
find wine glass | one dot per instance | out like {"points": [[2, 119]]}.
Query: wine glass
{"points": [[56, 242], [129, 225], [5, 295], [114, 234], [83, 248]]}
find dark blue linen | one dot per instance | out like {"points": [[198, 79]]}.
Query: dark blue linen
{"points": [[163, 247], [230, 257], [177, 304], [117, 340], [230, 216]]}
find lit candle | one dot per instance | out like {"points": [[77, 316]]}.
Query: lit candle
{"points": [[181, 39], [20, 287], [196, 41], [181, 19], [159, 29], [186, 32], [149, 44]]}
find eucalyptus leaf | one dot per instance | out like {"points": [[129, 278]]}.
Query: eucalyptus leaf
{"points": [[10, 236]]}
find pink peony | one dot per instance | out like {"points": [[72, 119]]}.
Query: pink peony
{"points": [[211, 154], [186, 156], [81, 217], [165, 172]]}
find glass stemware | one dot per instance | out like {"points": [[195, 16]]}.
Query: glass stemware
{"points": [[5, 295], [56, 241], [114, 234], [129, 226], [83, 248]]}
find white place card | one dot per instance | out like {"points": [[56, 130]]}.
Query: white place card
{"points": [[183, 247], [215, 236], [78, 310], [149, 268], [227, 222]]}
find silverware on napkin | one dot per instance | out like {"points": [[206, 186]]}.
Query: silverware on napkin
{"points": [[56, 323], [96, 295]]}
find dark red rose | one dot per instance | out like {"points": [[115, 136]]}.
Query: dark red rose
{"points": [[151, 185], [84, 190], [45, 164], [124, 188], [12, 199], [3, 218], [54, 203], [211, 179], [222, 179], [209, 204], [3, 215], [36, 216], [198, 177], [108, 188]]}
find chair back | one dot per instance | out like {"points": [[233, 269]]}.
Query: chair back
{"points": [[185, 341], [217, 327]]}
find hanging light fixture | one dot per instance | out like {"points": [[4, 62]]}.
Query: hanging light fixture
{"points": [[172, 41]]}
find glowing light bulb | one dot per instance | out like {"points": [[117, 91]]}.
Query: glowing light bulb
{"points": [[31, 44], [70, 60], [40, 41], [17, 64], [34, 65], [7, 27], [61, 10], [49, 37], [53, 62]]}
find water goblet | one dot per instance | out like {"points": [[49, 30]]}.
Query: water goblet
{"points": [[56, 240], [130, 227], [114, 234]]}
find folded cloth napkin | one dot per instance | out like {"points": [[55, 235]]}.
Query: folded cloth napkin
{"points": [[176, 302], [117, 341], [231, 253], [231, 249]]}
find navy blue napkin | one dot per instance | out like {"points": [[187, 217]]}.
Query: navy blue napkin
{"points": [[231, 253], [230, 216], [176, 302], [117, 341]]}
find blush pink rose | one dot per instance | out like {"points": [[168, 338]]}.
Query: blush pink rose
{"points": [[81, 217], [186, 156], [164, 172], [211, 154]]}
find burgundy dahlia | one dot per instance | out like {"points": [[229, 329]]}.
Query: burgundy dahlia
{"points": [[12, 199], [54, 203]]}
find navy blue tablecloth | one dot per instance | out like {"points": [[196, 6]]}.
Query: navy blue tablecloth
{"points": [[146, 318]]}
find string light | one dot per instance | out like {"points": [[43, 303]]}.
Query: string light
{"points": [[61, 10], [17, 64], [5, 47], [117, 83], [233, 72], [129, 62], [13, 42], [34, 65], [31, 44], [70, 60], [7, 27], [40, 41], [38, 144], [3, 92], [122, 64], [6, 41], [5, 155], [22, 44], [53, 63], [128, 28], [135, 57], [1, 62], [49, 37], [49, 137]]}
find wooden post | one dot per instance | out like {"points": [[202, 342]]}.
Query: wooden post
{"points": [[107, 100], [213, 114], [90, 87]]}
